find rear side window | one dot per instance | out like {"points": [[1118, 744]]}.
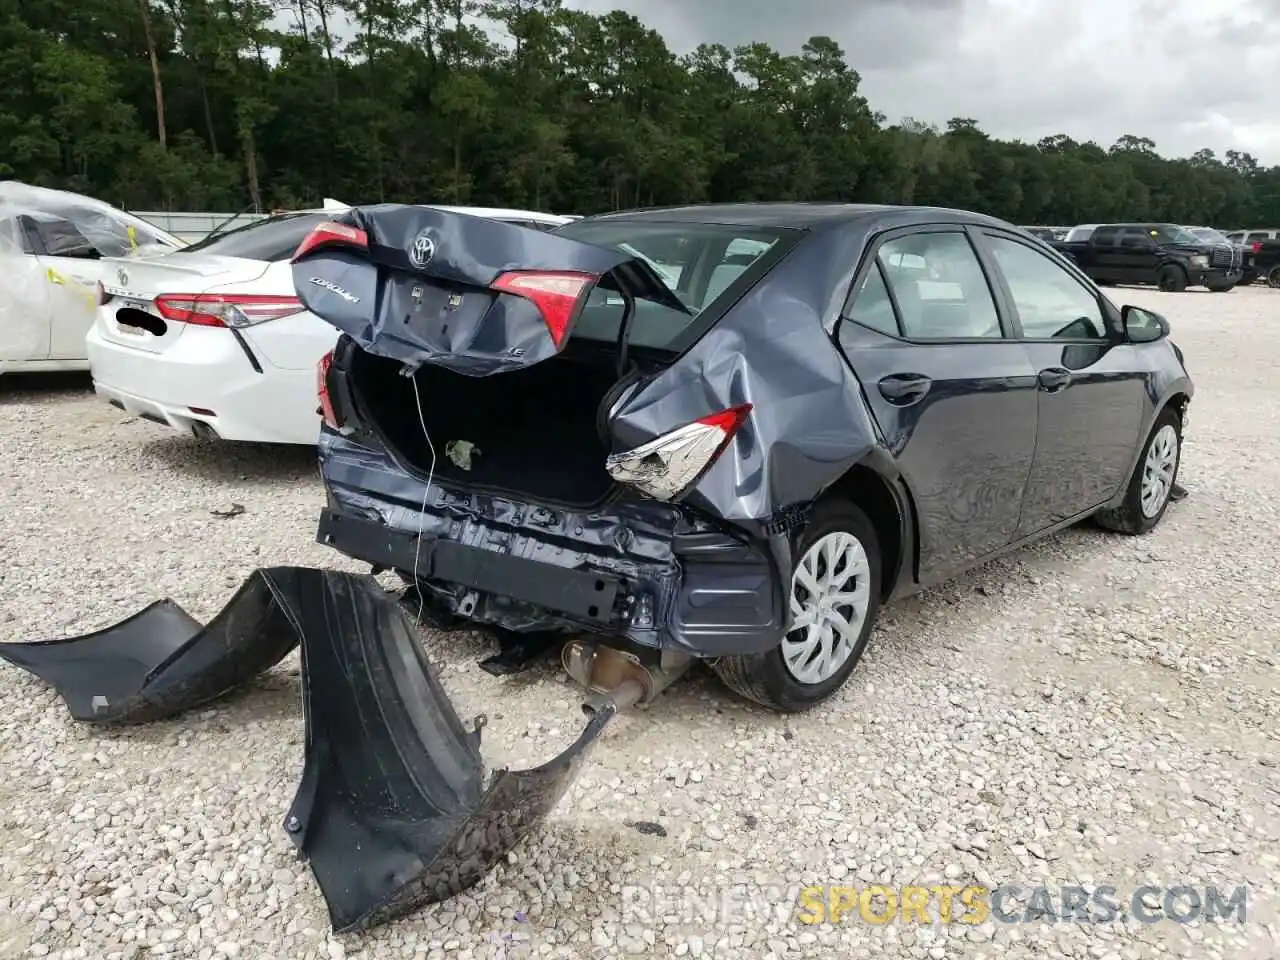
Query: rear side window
{"points": [[872, 306], [62, 238], [273, 239], [1260, 235], [939, 287], [707, 266], [1105, 235]]}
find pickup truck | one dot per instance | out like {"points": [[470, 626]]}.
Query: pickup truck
{"points": [[1163, 254], [1264, 260]]}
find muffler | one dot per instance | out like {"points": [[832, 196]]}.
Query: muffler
{"points": [[619, 676]]}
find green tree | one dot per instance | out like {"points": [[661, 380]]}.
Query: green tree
{"points": [[262, 103]]}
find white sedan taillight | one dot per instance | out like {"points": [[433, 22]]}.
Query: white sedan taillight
{"points": [[225, 309], [666, 467]]}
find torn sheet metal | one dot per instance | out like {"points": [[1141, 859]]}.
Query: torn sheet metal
{"points": [[392, 811], [50, 242]]}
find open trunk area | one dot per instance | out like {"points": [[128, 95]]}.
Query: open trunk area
{"points": [[531, 432]]}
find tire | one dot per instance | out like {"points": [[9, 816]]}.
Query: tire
{"points": [[766, 677], [1273, 277], [1171, 278], [1130, 517]]}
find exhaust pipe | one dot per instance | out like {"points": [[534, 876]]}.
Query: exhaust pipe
{"points": [[203, 431], [618, 676]]}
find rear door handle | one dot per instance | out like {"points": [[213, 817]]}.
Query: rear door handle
{"points": [[904, 388], [1054, 379]]}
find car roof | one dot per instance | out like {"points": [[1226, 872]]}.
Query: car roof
{"points": [[798, 215], [497, 213], [1144, 224]]}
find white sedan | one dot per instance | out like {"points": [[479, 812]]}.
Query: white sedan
{"points": [[211, 339], [53, 246]]}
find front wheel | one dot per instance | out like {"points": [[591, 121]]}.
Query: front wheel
{"points": [[834, 598], [1273, 277], [1171, 279], [1153, 481]]}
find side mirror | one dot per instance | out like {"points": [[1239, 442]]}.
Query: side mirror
{"points": [[1143, 326]]}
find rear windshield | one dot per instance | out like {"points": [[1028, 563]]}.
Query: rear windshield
{"points": [[273, 239], [707, 266]]}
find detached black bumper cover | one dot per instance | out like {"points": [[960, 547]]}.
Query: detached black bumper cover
{"points": [[392, 812]]}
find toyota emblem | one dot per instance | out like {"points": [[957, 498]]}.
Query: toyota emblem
{"points": [[122, 277], [422, 250]]}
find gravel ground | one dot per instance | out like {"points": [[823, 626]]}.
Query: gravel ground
{"points": [[1093, 710]]}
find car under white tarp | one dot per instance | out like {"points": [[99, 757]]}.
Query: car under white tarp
{"points": [[51, 242]]}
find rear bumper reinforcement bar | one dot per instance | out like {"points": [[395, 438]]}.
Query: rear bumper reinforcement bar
{"points": [[392, 811], [584, 595]]}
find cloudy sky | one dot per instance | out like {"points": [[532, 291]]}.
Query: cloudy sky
{"points": [[1186, 73]]}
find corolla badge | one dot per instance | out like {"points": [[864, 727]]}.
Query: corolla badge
{"points": [[123, 277], [334, 288], [422, 250]]}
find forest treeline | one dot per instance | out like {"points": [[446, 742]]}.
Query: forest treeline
{"points": [[244, 104]]}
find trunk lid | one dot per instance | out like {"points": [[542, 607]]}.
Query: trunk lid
{"points": [[133, 283], [476, 296]]}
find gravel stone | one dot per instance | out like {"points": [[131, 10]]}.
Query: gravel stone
{"points": [[1094, 711]]}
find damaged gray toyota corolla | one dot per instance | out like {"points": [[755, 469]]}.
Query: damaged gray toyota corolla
{"points": [[721, 432]]}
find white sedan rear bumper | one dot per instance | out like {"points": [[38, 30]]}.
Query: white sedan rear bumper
{"points": [[205, 382]]}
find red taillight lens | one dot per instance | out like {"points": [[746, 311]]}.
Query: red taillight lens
{"points": [[556, 295], [322, 391], [668, 466], [225, 310], [330, 234], [1257, 247]]}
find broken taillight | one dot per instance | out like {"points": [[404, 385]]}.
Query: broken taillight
{"points": [[225, 309], [555, 293], [666, 467], [330, 234], [322, 391]]}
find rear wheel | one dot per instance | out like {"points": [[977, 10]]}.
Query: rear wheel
{"points": [[1273, 277], [1171, 279], [835, 596], [1153, 479]]}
